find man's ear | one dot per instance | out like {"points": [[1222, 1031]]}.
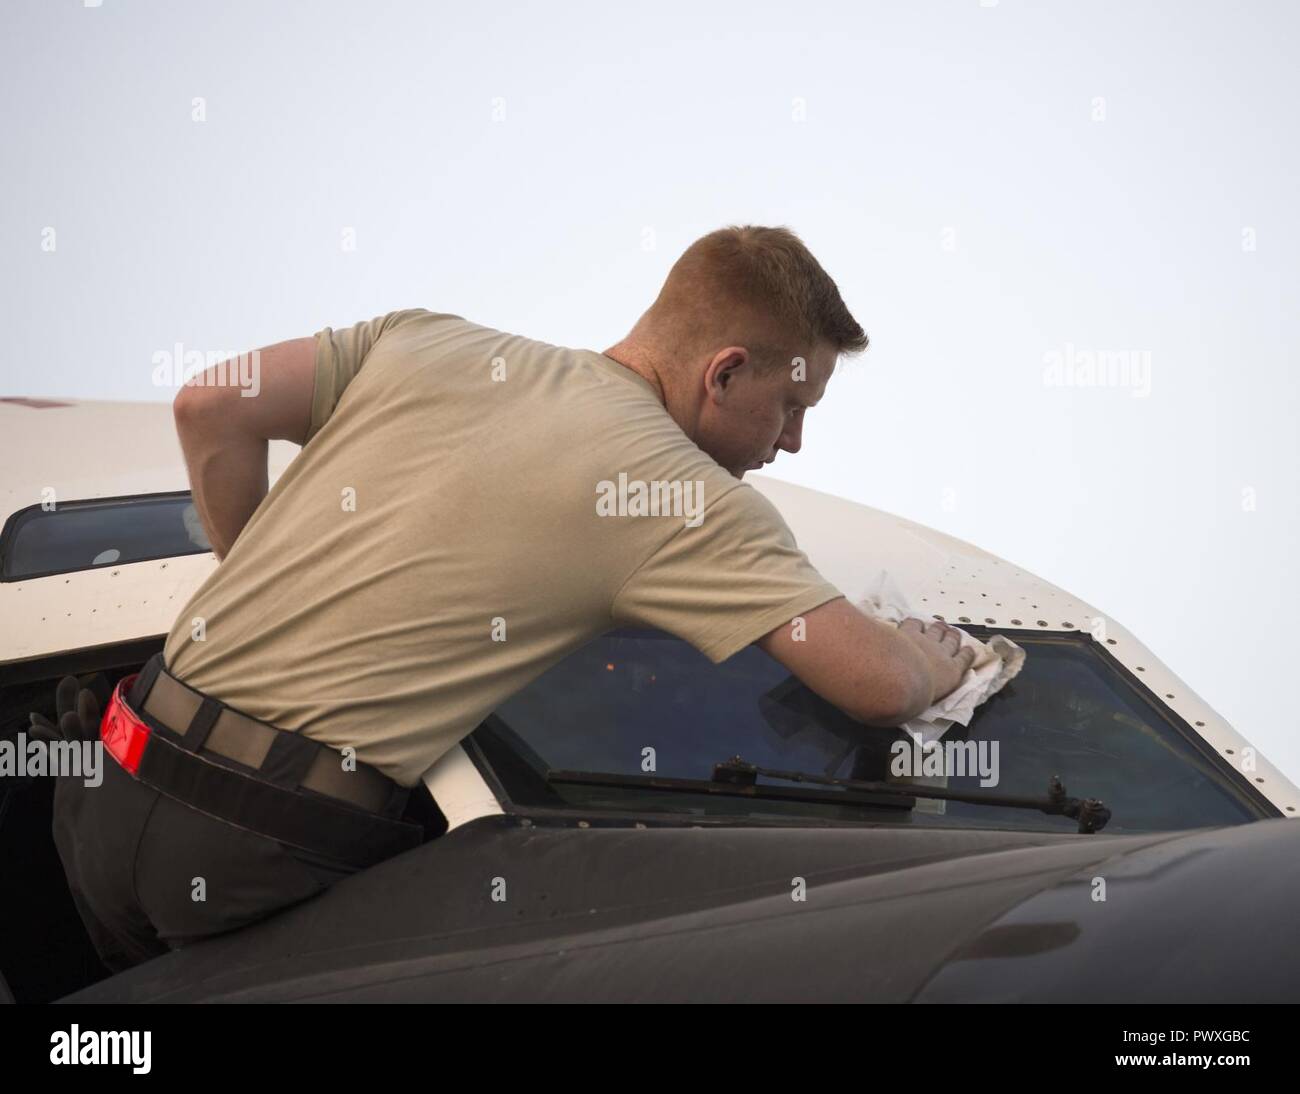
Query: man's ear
{"points": [[723, 369]]}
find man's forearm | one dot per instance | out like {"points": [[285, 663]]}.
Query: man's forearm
{"points": [[228, 476]]}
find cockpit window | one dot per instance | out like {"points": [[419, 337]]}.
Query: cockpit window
{"points": [[636, 703], [84, 535]]}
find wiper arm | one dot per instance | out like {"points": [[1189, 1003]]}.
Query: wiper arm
{"points": [[894, 799], [1090, 813], [737, 778]]}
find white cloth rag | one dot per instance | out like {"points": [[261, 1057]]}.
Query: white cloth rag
{"points": [[996, 662]]}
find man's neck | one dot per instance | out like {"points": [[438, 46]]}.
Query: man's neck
{"points": [[630, 357], [638, 360]]}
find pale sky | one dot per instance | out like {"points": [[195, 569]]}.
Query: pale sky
{"points": [[989, 186]]}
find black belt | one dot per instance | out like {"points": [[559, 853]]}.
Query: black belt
{"points": [[276, 798]]}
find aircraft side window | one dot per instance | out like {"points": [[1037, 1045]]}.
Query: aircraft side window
{"points": [[62, 537]]}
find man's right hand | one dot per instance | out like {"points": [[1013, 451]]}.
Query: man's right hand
{"points": [[879, 673], [943, 651]]}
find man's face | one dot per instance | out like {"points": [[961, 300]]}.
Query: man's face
{"points": [[751, 413]]}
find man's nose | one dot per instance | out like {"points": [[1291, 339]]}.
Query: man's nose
{"points": [[792, 439]]}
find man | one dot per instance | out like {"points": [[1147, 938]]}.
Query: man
{"points": [[445, 535]]}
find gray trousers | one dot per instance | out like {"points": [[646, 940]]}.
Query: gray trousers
{"points": [[150, 874]]}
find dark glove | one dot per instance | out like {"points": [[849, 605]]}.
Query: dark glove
{"points": [[77, 708]]}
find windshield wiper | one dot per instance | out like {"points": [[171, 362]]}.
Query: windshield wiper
{"points": [[892, 800], [735, 777], [1090, 813]]}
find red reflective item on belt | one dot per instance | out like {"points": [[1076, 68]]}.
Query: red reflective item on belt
{"points": [[123, 733]]}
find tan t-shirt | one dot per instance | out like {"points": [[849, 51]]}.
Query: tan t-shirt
{"points": [[467, 510]]}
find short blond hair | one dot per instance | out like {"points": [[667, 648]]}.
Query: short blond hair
{"points": [[736, 278]]}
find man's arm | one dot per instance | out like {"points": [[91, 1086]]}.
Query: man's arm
{"points": [[878, 674], [224, 434]]}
